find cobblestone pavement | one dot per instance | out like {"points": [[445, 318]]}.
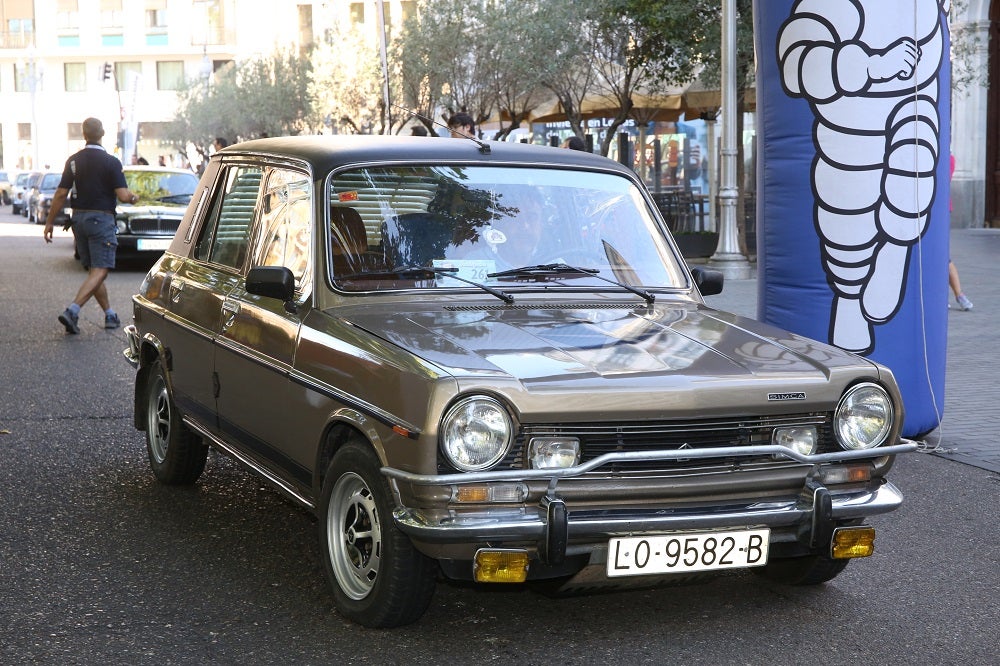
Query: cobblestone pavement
{"points": [[970, 421]]}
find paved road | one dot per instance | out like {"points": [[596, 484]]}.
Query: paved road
{"points": [[101, 565]]}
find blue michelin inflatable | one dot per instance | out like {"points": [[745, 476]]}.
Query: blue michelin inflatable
{"points": [[853, 124]]}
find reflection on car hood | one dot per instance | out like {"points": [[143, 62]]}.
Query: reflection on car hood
{"points": [[153, 210], [552, 343]]}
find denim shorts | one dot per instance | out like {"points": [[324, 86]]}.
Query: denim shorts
{"points": [[96, 240]]}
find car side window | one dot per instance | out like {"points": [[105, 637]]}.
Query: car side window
{"points": [[286, 221], [226, 238]]}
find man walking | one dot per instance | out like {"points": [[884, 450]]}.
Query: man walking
{"points": [[96, 180]]}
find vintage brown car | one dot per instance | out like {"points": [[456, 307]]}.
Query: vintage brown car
{"points": [[488, 361]]}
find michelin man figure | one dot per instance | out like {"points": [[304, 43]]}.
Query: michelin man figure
{"points": [[870, 74]]}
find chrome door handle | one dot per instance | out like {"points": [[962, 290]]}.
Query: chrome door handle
{"points": [[175, 289], [230, 310]]}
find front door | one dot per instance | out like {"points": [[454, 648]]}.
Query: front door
{"points": [[256, 349]]}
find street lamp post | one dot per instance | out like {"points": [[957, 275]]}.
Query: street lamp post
{"points": [[33, 78], [728, 259]]}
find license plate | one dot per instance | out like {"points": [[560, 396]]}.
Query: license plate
{"points": [[687, 551], [153, 243]]}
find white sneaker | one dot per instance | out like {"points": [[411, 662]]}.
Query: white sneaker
{"points": [[964, 302]]}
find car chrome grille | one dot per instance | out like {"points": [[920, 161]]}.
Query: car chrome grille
{"points": [[598, 439], [154, 226]]}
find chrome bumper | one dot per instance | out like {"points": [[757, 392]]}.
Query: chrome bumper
{"points": [[810, 515], [132, 353]]}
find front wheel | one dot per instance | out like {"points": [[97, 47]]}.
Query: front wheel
{"points": [[379, 579], [176, 454]]}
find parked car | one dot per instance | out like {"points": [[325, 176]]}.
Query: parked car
{"points": [[489, 362], [22, 191], [6, 188], [147, 227], [17, 192], [40, 199]]}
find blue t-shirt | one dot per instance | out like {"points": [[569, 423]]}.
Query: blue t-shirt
{"points": [[96, 175]]}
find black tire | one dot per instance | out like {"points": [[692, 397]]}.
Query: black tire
{"points": [[379, 579], [176, 454], [808, 570]]}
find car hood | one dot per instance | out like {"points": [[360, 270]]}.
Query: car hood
{"points": [[665, 346], [153, 210]]}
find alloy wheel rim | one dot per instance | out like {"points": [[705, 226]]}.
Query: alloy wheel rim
{"points": [[355, 536], [158, 417]]}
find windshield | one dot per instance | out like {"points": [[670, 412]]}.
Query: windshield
{"points": [[480, 221], [166, 187], [50, 181]]}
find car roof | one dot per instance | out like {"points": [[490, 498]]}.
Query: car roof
{"points": [[324, 153]]}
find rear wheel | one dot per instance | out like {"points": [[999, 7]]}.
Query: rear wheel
{"points": [[176, 454], [808, 570], [379, 579]]}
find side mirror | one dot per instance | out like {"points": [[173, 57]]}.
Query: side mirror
{"points": [[709, 282], [271, 281]]}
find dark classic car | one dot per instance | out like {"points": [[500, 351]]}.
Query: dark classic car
{"points": [[149, 225], [488, 362]]}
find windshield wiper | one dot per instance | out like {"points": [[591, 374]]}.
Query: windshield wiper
{"points": [[546, 271], [403, 272]]}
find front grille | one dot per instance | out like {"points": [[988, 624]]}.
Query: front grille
{"points": [[599, 438], [154, 226]]}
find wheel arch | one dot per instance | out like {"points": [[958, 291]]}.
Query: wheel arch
{"points": [[150, 350], [345, 425]]}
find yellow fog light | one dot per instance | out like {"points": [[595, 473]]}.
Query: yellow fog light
{"points": [[851, 542], [500, 566]]}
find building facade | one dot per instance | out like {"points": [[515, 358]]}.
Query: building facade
{"points": [[123, 62], [64, 60], [975, 119]]}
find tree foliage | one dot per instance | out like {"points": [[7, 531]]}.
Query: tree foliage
{"points": [[264, 96], [498, 60], [346, 83]]}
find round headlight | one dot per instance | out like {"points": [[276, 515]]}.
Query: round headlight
{"points": [[476, 433], [864, 417]]}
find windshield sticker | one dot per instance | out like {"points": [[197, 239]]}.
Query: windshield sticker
{"points": [[347, 196], [494, 236], [470, 269]]}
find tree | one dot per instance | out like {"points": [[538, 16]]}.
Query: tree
{"points": [[441, 55], [346, 83], [569, 72], [263, 96], [523, 43]]}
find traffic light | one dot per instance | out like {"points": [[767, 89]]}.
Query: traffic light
{"points": [[107, 71]]}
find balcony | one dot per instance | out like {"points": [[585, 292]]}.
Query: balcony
{"points": [[16, 40]]}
